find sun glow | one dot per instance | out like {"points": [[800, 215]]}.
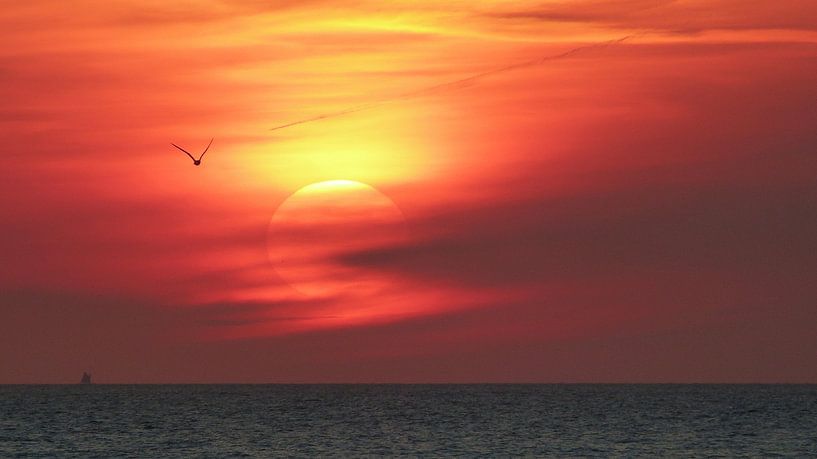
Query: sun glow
{"points": [[320, 223], [332, 185]]}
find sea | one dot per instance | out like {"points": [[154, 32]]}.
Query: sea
{"points": [[550, 420]]}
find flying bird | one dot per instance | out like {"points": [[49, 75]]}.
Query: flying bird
{"points": [[196, 162]]}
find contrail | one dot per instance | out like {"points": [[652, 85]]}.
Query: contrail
{"points": [[459, 83]]}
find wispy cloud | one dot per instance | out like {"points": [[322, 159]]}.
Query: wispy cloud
{"points": [[670, 15], [571, 201]]}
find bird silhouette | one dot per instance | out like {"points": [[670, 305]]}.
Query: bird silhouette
{"points": [[196, 162]]}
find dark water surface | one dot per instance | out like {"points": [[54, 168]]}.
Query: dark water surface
{"points": [[415, 420]]}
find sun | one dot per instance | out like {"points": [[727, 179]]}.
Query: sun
{"points": [[318, 224]]}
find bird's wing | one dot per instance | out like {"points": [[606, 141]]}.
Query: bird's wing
{"points": [[182, 149], [205, 150]]}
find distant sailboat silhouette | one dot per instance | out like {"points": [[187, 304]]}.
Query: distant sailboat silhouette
{"points": [[86, 378], [196, 162]]}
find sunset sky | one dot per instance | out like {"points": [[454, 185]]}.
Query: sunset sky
{"points": [[641, 210]]}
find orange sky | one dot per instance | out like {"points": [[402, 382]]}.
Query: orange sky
{"points": [[637, 212]]}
